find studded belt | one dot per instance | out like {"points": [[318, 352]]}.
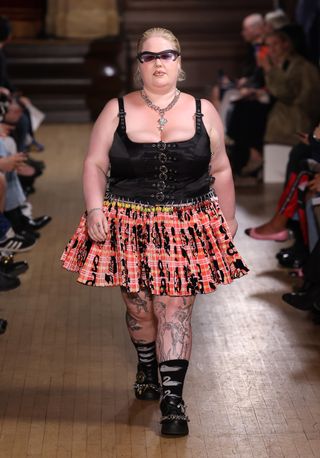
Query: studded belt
{"points": [[121, 202]]}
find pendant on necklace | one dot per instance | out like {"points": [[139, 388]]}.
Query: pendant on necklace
{"points": [[162, 121]]}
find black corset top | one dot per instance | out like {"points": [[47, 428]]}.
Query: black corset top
{"points": [[159, 172]]}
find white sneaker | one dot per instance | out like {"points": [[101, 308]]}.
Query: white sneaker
{"points": [[15, 243]]}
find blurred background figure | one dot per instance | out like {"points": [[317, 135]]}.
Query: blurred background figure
{"points": [[308, 17], [294, 83], [275, 20], [245, 104]]}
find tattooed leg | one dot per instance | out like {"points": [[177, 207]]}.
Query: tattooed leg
{"points": [[142, 328], [140, 318], [174, 336]]}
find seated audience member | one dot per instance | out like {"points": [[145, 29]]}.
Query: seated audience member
{"points": [[244, 108], [302, 181], [15, 197], [294, 83], [17, 105], [250, 76], [10, 242], [307, 298], [29, 170], [278, 20]]}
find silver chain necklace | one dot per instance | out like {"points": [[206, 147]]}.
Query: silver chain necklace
{"points": [[162, 121]]}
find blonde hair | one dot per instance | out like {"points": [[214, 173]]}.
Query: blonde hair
{"points": [[158, 32], [277, 19]]}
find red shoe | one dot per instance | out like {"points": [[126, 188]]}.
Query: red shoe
{"points": [[281, 236]]}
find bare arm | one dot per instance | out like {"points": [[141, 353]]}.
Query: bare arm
{"points": [[220, 165], [95, 169]]}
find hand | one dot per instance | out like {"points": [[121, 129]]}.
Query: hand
{"points": [[303, 137], [5, 129], [233, 226], [265, 62], [25, 170], [97, 225], [248, 92], [13, 162], [242, 82], [5, 91], [25, 101], [314, 184]]}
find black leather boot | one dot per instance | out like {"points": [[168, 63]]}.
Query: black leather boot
{"points": [[174, 420], [146, 387], [303, 299], [293, 256], [8, 266], [3, 325]]}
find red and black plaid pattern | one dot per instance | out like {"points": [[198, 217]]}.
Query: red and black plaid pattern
{"points": [[178, 252]]}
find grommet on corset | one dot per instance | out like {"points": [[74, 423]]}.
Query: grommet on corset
{"points": [[160, 196], [161, 185], [163, 169], [161, 146], [163, 157]]}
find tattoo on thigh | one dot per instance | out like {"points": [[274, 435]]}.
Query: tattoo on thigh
{"points": [[139, 302], [174, 331], [132, 323]]}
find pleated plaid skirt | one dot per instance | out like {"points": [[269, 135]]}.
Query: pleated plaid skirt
{"points": [[178, 250]]}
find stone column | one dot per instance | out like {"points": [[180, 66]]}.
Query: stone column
{"points": [[82, 18]]}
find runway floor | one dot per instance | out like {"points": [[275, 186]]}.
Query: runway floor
{"points": [[67, 363]]}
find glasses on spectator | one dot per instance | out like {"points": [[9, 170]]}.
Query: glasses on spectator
{"points": [[167, 56]]}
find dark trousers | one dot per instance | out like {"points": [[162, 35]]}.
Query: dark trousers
{"points": [[246, 127], [298, 154], [312, 266]]}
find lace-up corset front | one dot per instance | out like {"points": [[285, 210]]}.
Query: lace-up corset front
{"points": [[160, 173]]}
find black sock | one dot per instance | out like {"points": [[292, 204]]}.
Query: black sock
{"points": [[146, 353], [172, 375]]}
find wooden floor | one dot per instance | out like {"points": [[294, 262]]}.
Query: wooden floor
{"points": [[67, 364]]}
